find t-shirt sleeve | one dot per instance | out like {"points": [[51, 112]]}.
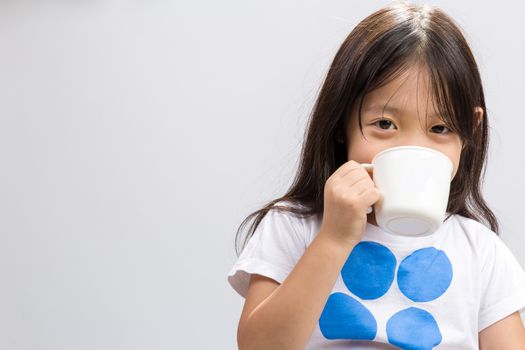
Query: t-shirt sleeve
{"points": [[502, 284], [273, 250]]}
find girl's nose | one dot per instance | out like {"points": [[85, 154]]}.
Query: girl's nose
{"points": [[416, 139]]}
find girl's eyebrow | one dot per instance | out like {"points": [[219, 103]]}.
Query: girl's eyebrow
{"points": [[393, 110]]}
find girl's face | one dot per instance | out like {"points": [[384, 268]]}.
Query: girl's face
{"points": [[403, 123]]}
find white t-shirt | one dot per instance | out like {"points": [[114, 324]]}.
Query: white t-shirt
{"points": [[433, 292]]}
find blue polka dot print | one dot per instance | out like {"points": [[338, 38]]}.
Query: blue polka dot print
{"points": [[369, 273], [413, 329], [424, 275], [369, 270], [346, 318]]}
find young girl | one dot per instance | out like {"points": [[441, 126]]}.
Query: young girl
{"points": [[316, 270]]}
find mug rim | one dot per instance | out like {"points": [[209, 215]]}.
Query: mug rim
{"points": [[413, 147]]}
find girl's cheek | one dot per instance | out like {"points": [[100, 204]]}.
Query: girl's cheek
{"points": [[364, 153]]}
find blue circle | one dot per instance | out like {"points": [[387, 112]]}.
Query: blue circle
{"points": [[369, 270], [413, 329], [425, 274], [344, 317]]}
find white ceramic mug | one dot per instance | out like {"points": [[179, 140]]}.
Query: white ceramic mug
{"points": [[414, 183]]}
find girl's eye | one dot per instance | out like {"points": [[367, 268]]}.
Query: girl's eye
{"points": [[384, 124], [441, 127]]}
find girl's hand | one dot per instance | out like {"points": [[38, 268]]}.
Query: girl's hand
{"points": [[347, 195]]}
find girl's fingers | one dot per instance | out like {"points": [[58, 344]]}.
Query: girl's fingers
{"points": [[371, 196], [361, 184], [347, 168]]}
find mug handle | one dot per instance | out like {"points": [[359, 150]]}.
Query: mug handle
{"points": [[368, 167]]}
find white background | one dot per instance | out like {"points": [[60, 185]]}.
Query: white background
{"points": [[136, 135]]}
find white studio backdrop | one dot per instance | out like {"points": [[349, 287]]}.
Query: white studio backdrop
{"points": [[136, 135]]}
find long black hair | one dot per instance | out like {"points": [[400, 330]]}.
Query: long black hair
{"points": [[380, 48]]}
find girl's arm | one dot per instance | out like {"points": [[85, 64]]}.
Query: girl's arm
{"points": [[284, 316], [507, 334]]}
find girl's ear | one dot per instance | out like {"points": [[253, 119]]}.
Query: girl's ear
{"points": [[478, 116]]}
